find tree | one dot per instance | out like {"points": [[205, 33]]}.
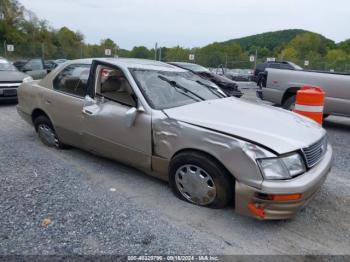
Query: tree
{"points": [[109, 44], [289, 53], [336, 55], [12, 17], [307, 43], [69, 43], [345, 46], [176, 54], [141, 52]]}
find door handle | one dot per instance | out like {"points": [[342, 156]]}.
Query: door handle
{"points": [[87, 112]]}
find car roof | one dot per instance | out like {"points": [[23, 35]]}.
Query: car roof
{"points": [[182, 63], [133, 63], [277, 62]]}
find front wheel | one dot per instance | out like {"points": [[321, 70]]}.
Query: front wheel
{"points": [[201, 180]]}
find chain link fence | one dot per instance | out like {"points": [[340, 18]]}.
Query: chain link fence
{"points": [[51, 52], [213, 60]]}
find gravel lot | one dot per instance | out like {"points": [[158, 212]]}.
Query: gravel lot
{"points": [[72, 202]]}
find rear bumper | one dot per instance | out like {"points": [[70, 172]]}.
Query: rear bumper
{"points": [[237, 93], [307, 185]]}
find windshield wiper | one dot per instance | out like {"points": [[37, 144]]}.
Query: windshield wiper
{"points": [[212, 89], [176, 85]]}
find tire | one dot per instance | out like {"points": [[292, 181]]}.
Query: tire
{"points": [[289, 104], [47, 133], [212, 186]]}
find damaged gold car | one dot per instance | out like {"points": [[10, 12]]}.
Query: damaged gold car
{"points": [[214, 150]]}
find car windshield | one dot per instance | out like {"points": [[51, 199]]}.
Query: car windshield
{"points": [[6, 66], [296, 67], [165, 89], [193, 67]]}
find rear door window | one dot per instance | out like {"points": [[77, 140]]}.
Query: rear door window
{"points": [[275, 65], [286, 66], [73, 80], [34, 65]]}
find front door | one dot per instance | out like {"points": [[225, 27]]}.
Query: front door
{"points": [[113, 127]]}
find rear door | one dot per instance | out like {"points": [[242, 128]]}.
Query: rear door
{"points": [[108, 127], [64, 102]]}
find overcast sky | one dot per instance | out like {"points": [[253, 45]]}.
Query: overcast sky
{"points": [[191, 23]]}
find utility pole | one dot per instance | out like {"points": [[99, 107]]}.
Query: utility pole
{"points": [[155, 51], [160, 53], [116, 51], [5, 46], [256, 57], [43, 51]]}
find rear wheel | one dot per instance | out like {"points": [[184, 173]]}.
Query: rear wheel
{"points": [[46, 132], [201, 180], [289, 104]]}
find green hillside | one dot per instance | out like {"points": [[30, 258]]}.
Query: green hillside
{"points": [[269, 40], [33, 37]]}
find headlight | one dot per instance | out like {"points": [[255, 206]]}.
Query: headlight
{"points": [[282, 167], [294, 164], [27, 79]]}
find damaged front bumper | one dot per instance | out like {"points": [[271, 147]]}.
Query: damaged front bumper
{"points": [[282, 199]]}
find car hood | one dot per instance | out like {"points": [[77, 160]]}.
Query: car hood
{"points": [[219, 80], [12, 76], [277, 129]]}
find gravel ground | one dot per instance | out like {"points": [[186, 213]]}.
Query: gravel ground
{"points": [[71, 202]]}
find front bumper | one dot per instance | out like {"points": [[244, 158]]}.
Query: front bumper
{"points": [[232, 91], [307, 185], [8, 94]]}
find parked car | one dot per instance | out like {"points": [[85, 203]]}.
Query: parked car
{"points": [[10, 80], [35, 68], [241, 75], [50, 65], [258, 76], [229, 87], [60, 61], [19, 64], [158, 118], [282, 85]]}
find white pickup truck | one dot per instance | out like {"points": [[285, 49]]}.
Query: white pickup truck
{"points": [[280, 87]]}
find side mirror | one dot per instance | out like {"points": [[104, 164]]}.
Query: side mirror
{"points": [[130, 117], [131, 114], [88, 101]]}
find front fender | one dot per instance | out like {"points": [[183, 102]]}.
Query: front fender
{"points": [[171, 136]]}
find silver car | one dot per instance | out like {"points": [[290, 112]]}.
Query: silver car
{"points": [[214, 150], [10, 80]]}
